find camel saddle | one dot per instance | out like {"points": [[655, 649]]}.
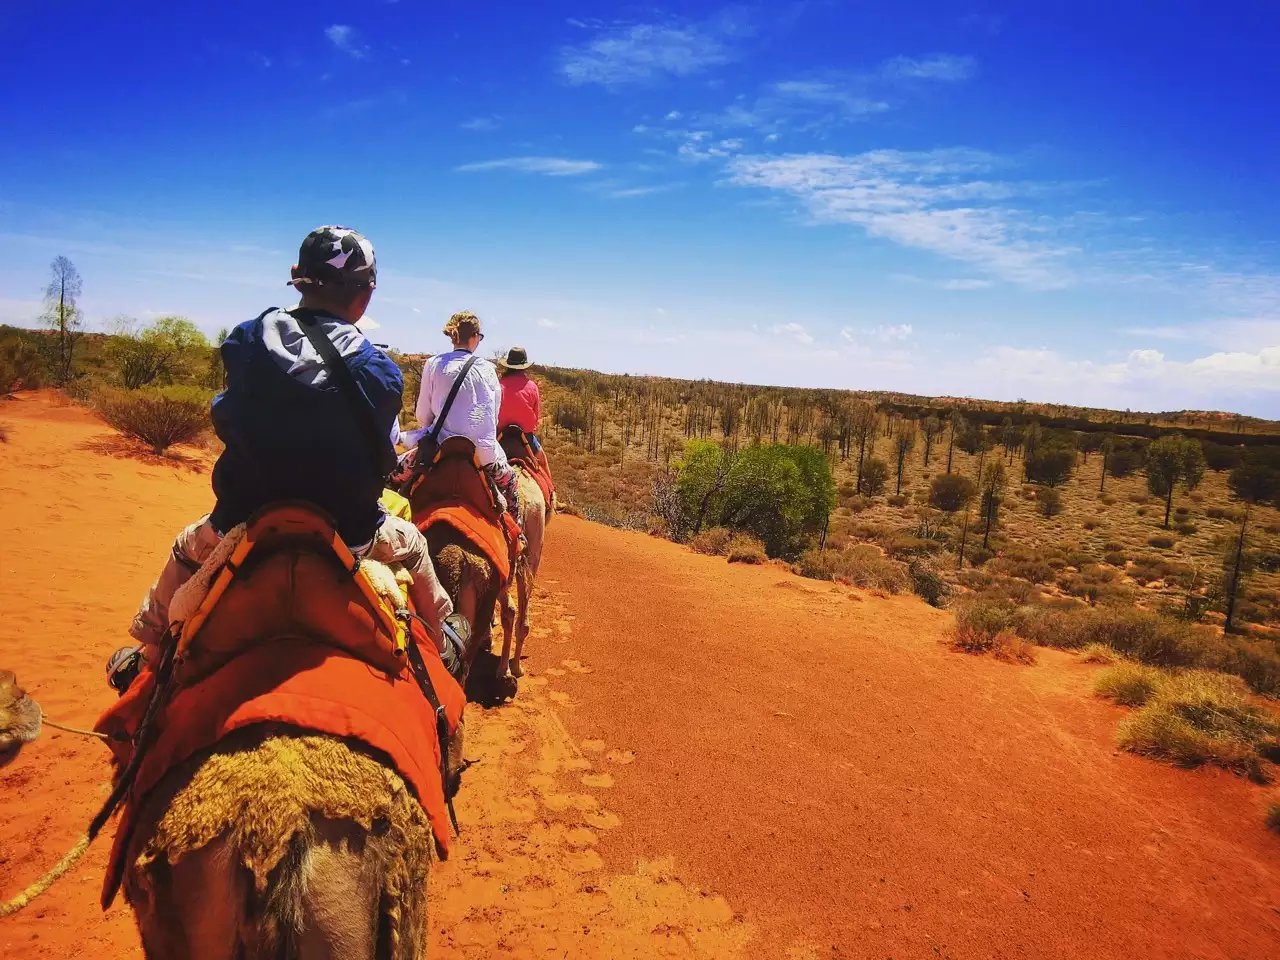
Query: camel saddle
{"points": [[515, 444], [453, 488], [288, 574]]}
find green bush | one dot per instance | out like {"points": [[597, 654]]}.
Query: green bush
{"points": [[1050, 465], [899, 500], [781, 494], [21, 365], [1048, 501], [859, 564], [158, 418], [875, 474], [1130, 684], [1160, 541]]}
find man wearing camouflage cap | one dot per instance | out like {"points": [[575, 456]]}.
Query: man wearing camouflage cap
{"points": [[294, 432]]}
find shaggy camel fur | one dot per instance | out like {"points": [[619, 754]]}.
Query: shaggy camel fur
{"points": [[471, 582], [534, 523], [281, 845], [20, 717]]}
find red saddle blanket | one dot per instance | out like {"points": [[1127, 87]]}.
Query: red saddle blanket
{"points": [[301, 683], [520, 452], [455, 491]]}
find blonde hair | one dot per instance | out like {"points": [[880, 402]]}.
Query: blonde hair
{"points": [[462, 326]]}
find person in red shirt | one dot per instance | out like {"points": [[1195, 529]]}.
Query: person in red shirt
{"points": [[521, 399]]}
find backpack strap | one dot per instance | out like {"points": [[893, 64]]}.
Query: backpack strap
{"points": [[380, 449], [448, 401]]}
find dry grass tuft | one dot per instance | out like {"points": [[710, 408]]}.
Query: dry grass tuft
{"points": [[1099, 653], [1192, 717], [713, 542], [859, 565], [744, 548]]}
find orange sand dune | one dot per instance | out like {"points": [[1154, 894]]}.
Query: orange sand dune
{"points": [[706, 761]]}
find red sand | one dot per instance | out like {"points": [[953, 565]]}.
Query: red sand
{"points": [[706, 761]]}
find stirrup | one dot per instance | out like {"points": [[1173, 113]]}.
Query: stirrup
{"points": [[456, 633]]}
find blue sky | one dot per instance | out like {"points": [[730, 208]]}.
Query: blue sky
{"points": [[944, 198]]}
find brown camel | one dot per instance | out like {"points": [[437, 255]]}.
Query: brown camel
{"points": [[533, 508], [470, 580], [281, 844]]}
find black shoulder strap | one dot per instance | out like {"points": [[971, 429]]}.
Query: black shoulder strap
{"points": [[379, 445], [448, 401]]}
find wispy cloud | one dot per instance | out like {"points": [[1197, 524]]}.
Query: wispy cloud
{"points": [[550, 166], [793, 331], [481, 124], [935, 200], [943, 67], [345, 39], [638, 53], [546, 323], [624, 193]]}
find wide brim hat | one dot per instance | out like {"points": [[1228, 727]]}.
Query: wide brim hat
{"points": [[517, 358]]}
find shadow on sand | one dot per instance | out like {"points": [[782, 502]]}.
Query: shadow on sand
{"points": [[121, 447]]}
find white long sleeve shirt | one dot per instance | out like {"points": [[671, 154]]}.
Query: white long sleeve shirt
{"points": [[474, 413]]}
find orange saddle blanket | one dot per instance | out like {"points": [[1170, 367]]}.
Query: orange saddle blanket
{"points": [[515, 444], [301, 683], [454, 490]]}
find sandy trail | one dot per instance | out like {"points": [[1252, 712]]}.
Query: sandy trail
{"points": [[708, 761]]}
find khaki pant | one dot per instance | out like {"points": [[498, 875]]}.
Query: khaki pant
{"points": [[396, 541]]}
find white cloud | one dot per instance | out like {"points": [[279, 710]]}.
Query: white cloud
{"points": [[891, 332], [934, 200], [645, 52], [368, 324], [944, 67], [547, 324], [481, 124], [344, 38], [624, 193], [674, 115], [551, 166], [793, 331]]}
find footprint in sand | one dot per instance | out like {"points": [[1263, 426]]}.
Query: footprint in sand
{"points": [[603, 820], [560, 697], [599, 781], [576, 666], [621, 756], [554, 672], [560, 802], [593, 746]]}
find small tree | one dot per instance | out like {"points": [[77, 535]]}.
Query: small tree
{"points": [[1171, 460], [958, 425], [862, 428], [1237, 564], [950, 492], [875, 475], [931, 427], [163, 352], [1049, 465], [993, 481], [62, 315], [1105, 447], [904, 438]]}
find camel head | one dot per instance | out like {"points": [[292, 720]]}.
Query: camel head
{"points": [[20, 716]]}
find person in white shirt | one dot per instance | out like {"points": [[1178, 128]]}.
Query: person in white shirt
{"points": [[474, 413]]}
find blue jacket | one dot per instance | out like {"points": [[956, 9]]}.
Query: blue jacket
{"points": [[291, 433]]}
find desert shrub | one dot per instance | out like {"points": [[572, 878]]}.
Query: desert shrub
{"points": [[744, 548], [1182, 512], [1138, 498], [1185, 528], [1107, 500], [859, 564], [1048, 501], [567, 508], [899, 500], [858, 504], [158, 418], [1273, 817], [1141, 512], [978, 556], [713, 542], [1091, 524], [1115, 558], [950, 492], [1113, 545], [979, 618], [1160, 541], [1222, 513], [875, 474], [927, 581], [1099, 653], [1032, 569], [902, 543], [1218, 456], [21, 365]]}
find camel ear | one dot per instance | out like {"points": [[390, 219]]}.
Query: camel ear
{"points": [[20, 718]]}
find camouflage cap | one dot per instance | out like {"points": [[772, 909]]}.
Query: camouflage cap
{"points": [[336, 255]]}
